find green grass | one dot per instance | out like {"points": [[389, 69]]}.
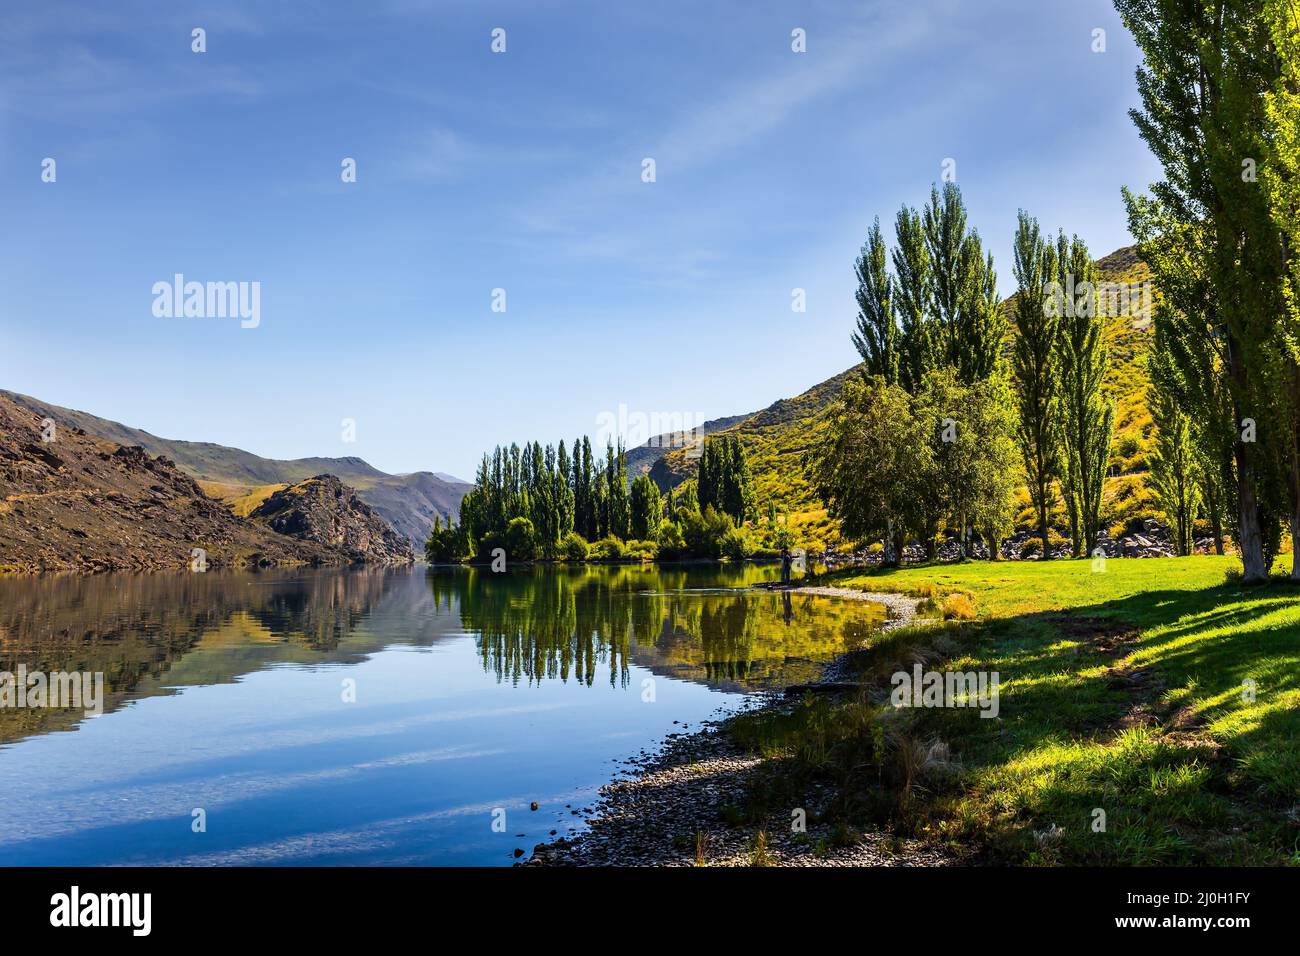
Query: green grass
{"points": [[1121, 691]]}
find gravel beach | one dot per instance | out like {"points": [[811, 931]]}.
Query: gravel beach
{"points": [[670, 810]]}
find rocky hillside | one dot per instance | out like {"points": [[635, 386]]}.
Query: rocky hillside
{"points": [[324, 510], [407, 502], [81, 503]]}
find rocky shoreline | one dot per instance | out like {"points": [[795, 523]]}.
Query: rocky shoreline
{"points": [[672, 809]]}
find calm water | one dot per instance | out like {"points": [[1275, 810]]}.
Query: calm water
{"points": [[474, 693]]}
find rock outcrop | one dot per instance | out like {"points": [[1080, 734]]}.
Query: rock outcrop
{"points": [[326, 511]]}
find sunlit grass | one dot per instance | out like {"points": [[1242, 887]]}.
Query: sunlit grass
{"points": [[1151, 692]]}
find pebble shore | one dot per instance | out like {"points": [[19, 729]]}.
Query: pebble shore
{"points": [[670, 810]]}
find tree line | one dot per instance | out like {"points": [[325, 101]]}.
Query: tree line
{"points": [[1220, 95], [929, 441], [547, 502]]}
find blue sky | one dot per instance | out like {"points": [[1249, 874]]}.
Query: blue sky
{"points": [[520, 171]]}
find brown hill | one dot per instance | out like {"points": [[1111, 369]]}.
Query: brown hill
{"points": [[84, 504], [407, 502]]}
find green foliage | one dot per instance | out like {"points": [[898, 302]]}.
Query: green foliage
{"points": [[446, 545], [647, 508], [557, 493], [1087, 417], [1174, 466], [671, 543], [520, 540], [736, 545], [574, 547], [1032, 357], [1215, 242], [618, 508], [703, 533], [487, 543], [891, 464], [641, 550], [724, 481], [876, 338], [607, 549]]}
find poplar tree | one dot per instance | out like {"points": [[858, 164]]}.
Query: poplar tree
{"points": [[1034, 377], [647, 508], [981, 321], [1174, 471], [1087, 418], [1207, 72], [876, 338], [913, 298], [944, 221], [1281, 176]]}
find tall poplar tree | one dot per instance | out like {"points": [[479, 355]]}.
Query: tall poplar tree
{"points": [[1087, 418], [1174, 470], [913, 299], [1208, 68], [876, 338], [1033, 374]]}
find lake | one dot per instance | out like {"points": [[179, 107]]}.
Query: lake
{"points": [[367, 716]]}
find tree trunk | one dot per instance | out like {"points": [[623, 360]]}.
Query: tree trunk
{"points": [[1295, 474], [1250, 537]]}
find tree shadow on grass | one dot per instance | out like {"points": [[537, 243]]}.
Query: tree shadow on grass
{"points": [[1176, 711]]}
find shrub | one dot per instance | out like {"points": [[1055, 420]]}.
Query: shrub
{"points": [[959, 607], [606, 549], [521, 540], [574, 547], [488, 543], [447, 544], [927, 607], [671, 544], [735, 545], [703, 532], [645, 550]]}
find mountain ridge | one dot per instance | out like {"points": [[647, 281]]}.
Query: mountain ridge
{"points": [[407, 502]]}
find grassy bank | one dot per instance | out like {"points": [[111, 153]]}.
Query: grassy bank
{"points": [[1125, 691]]}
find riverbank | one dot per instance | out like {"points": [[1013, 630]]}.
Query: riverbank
{"points": [[692, 802], [1149, 714]]}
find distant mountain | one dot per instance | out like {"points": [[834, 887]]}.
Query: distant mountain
{"points": [[407, 502]]}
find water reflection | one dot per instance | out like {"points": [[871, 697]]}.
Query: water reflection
{"points": [[475, 692], [690, 623], [152, 634]]}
